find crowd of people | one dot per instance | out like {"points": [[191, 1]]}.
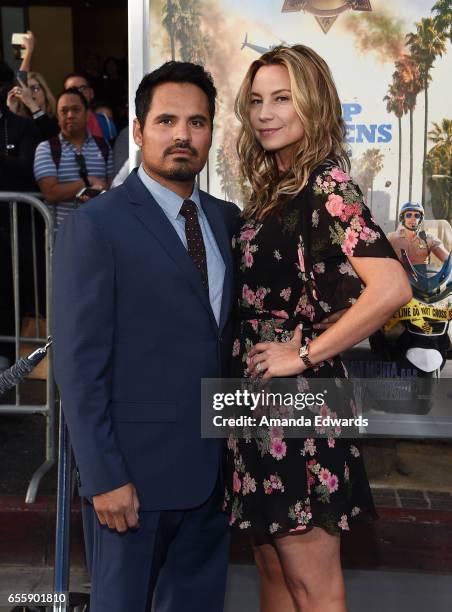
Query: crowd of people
{"points": [[57, 144], [51, 140]]}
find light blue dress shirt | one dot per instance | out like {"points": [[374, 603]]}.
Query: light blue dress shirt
{"points": [[171, 204]]}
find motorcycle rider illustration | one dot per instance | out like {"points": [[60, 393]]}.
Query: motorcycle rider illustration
{"points": [[417, 244]]}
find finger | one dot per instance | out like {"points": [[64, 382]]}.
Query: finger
{"points": [[110, 520], [258, 369], [121, 523], [257, 358], [101, 517], [132, 519], [258, 348], [297, 335]]}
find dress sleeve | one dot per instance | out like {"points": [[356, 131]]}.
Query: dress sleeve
{"points": [[341, 222]]}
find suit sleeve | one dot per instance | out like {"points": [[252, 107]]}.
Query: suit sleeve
{"points": [[83, 302]]}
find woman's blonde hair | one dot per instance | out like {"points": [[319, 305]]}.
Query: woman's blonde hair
{"points": [[50, 98], [317, 104]]}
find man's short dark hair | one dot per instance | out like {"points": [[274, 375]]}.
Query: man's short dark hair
{"points": [[79, 75], [173, 72], [73, 91]]}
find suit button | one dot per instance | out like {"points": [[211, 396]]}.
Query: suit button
{"points": [[220, 339]]}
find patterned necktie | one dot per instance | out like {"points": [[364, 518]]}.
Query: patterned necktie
{"points": [[195, 242]]}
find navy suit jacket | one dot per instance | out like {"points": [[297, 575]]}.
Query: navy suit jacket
{"points": [[134, 334]]}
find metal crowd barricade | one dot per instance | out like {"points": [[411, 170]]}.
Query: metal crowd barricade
{"points": [[48, 410]]}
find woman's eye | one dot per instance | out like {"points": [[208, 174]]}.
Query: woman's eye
{"points": [[255, 101], [281, 98]]}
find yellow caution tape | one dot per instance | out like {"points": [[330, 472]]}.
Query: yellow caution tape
{"points": [[417, 313]]}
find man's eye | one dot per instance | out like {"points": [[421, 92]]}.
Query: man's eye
{"points": [[166, 121], [197, 123]]}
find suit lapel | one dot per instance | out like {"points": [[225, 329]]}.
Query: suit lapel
{"points": [[152, 216], [223, 240]]}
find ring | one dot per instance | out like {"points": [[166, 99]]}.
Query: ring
{"points": [[258, 367]]}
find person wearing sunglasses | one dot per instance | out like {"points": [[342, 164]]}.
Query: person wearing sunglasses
{"points": [[75, 159], [413, 239]]}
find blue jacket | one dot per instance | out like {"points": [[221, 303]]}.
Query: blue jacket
{"points": [[134, 334]]}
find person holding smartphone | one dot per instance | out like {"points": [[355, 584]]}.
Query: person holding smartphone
{"points": [[75, 162], [31, 97]]}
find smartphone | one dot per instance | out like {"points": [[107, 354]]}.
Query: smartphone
{"points": [[22, 75], [18, 50], [89, 191]]}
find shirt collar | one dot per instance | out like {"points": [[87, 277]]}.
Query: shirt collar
{"points": [[63, 140], [170, 201]]}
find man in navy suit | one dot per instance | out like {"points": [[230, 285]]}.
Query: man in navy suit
{"points": [[142, 304]]}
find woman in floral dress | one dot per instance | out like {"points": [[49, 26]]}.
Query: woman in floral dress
{"points": [[308, 249]]}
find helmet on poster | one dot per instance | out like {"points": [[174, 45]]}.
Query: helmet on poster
{"points": [[413, 207]]}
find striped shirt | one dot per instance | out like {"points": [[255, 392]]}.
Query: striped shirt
{"points": [[68, 169]]}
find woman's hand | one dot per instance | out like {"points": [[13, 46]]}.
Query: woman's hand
{"points": [[28, 43], [25, 95], [12, 100], [277, 359]]}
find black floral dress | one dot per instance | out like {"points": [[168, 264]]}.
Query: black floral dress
{"points": [[293, 268]]}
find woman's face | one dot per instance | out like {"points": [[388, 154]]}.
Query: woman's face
{"points": [[273, 118], [38, 94]]}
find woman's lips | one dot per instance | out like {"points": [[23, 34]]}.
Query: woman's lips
{"points": [[268, 131]]}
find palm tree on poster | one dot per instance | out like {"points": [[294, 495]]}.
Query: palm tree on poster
{"points": [[443, 17], [407, 79], [439, 163], [371, 163], [170, 14], [425, 45], [396, 103]]}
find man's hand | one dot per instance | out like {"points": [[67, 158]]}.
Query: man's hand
{"points": [[330, 320], [97, 183], [118, 508]]}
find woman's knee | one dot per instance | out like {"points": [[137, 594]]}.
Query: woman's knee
{"points": [[267, 562]]}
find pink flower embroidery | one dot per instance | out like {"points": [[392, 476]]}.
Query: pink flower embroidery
{"points": [[249, 259], [324, 475], [236, 348], [249, 484], [351, 240], [338, 175], [335, 205], [236, 483], [343, 523], [333, 483], [247, 234], [301, 259], [280, 314], [278, 449], [248, 295]]}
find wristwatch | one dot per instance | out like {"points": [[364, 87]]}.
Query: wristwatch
{"points": [[304, 356]]}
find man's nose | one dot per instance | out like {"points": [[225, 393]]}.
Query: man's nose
{"points": [[181, 132]]}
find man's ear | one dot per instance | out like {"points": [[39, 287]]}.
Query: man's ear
{"points": [[137, 133]]}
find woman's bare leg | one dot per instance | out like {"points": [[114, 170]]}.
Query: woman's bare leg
{"points": [[274, 593], [311, 566]]}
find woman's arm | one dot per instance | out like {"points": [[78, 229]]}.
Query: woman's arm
{"points": [[387, 289], [29, 44]]}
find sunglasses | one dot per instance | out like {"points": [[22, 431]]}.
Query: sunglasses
{"points": [[409, 215], [35, 88], [81, 163]]}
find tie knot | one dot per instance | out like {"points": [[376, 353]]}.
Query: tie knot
{"points": [[188, 209]]}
